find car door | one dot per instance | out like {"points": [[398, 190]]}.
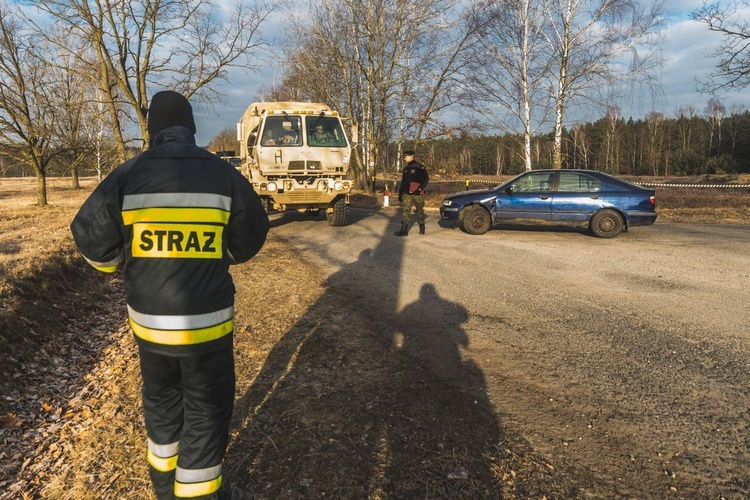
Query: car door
{"points": [[527, 197], [577, 196]]}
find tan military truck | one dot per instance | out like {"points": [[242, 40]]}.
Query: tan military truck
{"points": [[296, 154]]}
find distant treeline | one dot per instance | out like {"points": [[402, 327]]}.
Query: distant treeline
{"points": [[655, 146]]}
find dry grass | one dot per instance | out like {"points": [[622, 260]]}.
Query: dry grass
{"points": [[71, 422]]}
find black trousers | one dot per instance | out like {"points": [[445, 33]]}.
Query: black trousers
{"points": [[187, 403]]}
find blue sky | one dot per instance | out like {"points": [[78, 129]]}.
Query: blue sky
{"points": [[687, 48]]}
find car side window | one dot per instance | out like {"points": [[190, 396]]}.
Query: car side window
{"points": [[534, 182], [575, 182]]}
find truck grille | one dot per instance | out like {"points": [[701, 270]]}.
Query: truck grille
{"points": [[300, 165], [303, 196]]}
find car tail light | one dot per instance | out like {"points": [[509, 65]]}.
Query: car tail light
{"points": [[652, 199]]}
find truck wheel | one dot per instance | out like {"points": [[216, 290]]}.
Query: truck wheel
{"points": [[267, 204], [339, 216]]}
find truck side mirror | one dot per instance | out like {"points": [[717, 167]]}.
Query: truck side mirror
{"points": [[355, 134]]}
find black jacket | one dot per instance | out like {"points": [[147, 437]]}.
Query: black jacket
{"points": [[414, 179], [176, 216]]}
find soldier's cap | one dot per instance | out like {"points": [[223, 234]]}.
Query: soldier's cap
{"points": [[168, 109], [408, 152]]}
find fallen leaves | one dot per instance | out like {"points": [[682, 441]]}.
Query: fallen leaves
{"points": [[9, 421]]}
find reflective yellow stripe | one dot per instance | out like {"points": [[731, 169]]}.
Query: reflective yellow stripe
{"points": [[191, 490], [198, 215], [109, 269], [181, 321], [177, 241], [182, 337], [106, 267], [189, 476], [162, 464]]}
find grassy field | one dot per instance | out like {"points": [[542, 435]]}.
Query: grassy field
{"points": [[70, 419]]}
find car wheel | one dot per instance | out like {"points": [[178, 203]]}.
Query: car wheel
{"points": [[477, 220], [606, 224]]}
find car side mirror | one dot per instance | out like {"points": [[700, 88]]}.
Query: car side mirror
{"points": [[509, 190]]}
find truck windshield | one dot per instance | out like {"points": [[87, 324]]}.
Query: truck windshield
{"points": [[281, 131], [325, 131]]}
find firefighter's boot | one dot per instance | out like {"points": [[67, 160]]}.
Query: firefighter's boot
{"points": [[421, 228], [404, 231]]}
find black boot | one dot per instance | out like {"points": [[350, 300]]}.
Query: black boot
{"points": [[403, 231], [421, 228]]}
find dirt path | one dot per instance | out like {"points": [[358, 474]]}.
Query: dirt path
{"points": [[623, 360]]}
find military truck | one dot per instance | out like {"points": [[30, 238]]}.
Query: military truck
{"points": [[296, 155]]}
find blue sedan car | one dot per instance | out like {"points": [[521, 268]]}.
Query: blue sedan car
{"points": [[585, 198]]}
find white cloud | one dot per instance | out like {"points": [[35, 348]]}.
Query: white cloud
{"points": [[688, 48]]}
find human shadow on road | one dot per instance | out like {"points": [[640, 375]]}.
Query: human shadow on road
{"points": [[363, 399]]}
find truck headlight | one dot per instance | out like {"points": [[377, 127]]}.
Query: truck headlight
{"points": [[272, 186], [338, 185]]}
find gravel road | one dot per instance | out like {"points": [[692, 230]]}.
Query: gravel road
{"points": [[625, 359]]}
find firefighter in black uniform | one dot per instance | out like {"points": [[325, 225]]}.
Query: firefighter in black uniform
{"points": [[176, 217], [411, 192]]}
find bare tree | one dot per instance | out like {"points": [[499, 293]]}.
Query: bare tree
{"points": [[508, 67], [736, 125], [611, 144], [443, 57], [655, 140], [499, 158], [733, 66], [225, 140], [715, 110], [27, 120], [99, 134], [596, 45], [72, 102], [581, 147], [380, 62], [185, 45], [685, 115], [465, 162]]}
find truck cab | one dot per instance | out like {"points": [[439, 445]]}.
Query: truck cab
{"points": [[296, 155]]}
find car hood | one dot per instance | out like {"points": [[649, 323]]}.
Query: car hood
{"points": [[476, 195]]}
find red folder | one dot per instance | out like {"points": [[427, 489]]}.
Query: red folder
{"points": [[413, 187]]}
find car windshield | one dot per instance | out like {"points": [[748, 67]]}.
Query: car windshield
{"points": [[324, 131], [281, 131]]}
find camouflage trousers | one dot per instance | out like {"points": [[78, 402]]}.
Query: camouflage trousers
{"points": [[409, 200]]}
